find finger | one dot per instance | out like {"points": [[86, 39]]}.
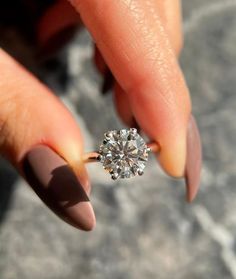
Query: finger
{"points": [[57, 26], [120, 97], [171, 16], [108, 79], [123, 107], [170, 13], [134, 44], [99, 61], [40, 138]]}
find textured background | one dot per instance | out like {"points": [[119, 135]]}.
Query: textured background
{"points": [[144, 227]]}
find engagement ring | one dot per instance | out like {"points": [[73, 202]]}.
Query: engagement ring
{"points": [[123, 153]]}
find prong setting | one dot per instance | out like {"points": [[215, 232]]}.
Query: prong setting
{"points": [[140, 172], [108, 135], [99, 158], [133, 131], [114, 176]]}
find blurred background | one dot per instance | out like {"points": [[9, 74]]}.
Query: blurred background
{"points": [[145, 229]]}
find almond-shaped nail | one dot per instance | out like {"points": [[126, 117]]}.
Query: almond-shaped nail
{"points": [[193, 160], [55, 183], [108, 82]]}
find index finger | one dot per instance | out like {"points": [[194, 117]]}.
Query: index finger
{"points": [[135, 45]]}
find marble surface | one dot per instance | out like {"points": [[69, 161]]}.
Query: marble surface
{"points": [[144, 227]]}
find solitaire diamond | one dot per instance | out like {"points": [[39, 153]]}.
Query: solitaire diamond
{"points": [[123, 153]]}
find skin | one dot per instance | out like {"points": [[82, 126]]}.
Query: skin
{"points": [[149, 83]]}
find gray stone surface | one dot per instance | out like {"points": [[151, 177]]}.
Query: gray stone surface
{"points": [[144, 227]]}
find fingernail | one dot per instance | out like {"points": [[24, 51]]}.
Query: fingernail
{"points": [[193, 160], [55, 183], [108, 82]]}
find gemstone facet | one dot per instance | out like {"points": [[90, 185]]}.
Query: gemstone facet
{"points": [[123, 153]]}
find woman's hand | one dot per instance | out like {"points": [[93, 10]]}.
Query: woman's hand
{"points": [[139, 41]]}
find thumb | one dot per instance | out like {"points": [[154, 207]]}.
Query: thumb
{"points": [[40, 138]]}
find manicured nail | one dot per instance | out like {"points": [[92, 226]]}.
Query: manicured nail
{"points": [[193, 160], [56, 184], [108, 82]]}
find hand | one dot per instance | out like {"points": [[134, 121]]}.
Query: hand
{"points": [[139, 41]]}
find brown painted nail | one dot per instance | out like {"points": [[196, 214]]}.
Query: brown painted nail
{"points": [[193, 160], [108, 82], [56, 184]]}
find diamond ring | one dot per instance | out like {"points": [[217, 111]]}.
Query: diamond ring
{"points": [[123, 153]]}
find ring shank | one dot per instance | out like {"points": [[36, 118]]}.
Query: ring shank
{"points": [[92, 157]]}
